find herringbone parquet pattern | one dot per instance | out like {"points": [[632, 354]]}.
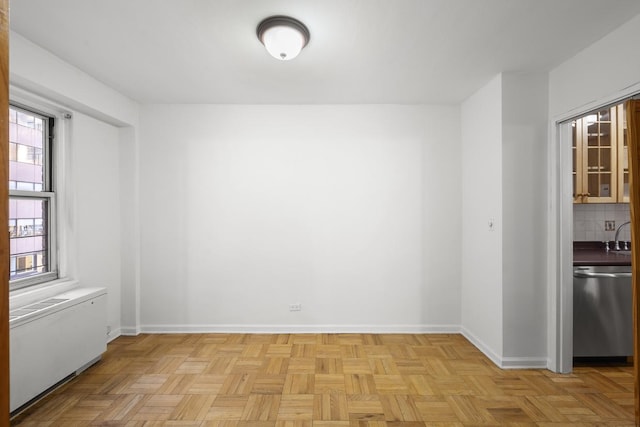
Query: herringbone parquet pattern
{"points": [[325, 380]]}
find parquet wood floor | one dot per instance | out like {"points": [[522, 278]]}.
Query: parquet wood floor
{"points": [[325, 380]]}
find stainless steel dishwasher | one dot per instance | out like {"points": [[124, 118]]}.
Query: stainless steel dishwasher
{"points": [[602, 317]]}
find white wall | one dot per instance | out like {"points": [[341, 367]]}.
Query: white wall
{"points": [[100, 136], [129, 230], [504, 184], [96, 224], [441, 221], [524, 208], [481, 124], [40, 72], [349, 210], [605, 70]]}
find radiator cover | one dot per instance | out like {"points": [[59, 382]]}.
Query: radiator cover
{"points": [[50, 341]]}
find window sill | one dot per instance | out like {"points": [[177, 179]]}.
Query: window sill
{"points": [[24, 296]]}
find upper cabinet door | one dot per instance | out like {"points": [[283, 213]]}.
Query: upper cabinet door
{"points": [[596, 157]]}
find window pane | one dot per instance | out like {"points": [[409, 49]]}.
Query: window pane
{"points": [[25, 265], [26, 120], [26, 186], [30, 229], [29, 235], [37, 156], [23, 154], [26, 163], [27, 154]]}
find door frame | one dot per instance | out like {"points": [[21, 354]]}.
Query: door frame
{"points": [[560, 245], [560, 232]]}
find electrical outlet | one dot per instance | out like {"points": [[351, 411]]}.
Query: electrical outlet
{"points": [[295, 307], [609, 225]]}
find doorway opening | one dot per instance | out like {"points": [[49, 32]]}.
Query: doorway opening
{"points": [[602, 290], [594, 233]]}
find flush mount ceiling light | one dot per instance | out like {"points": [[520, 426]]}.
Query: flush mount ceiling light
{"points": [[283, 36]]}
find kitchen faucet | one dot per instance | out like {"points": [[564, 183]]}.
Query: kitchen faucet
{"points": [[615, 239]]}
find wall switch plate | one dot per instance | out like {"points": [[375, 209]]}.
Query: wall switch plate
{"points": [[295, 307], [609, 225]]}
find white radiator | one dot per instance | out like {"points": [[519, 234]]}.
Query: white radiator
{"points": [[54, 338]]}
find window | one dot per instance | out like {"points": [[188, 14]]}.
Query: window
{"points": [[31, 198]]}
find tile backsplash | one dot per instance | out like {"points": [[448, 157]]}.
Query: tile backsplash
{"points": [[589, 221]]}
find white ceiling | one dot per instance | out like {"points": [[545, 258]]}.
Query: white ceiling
{"points": [[361, 51]]}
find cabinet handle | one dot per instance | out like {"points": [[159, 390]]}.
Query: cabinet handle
{"points": [[582, 274]]}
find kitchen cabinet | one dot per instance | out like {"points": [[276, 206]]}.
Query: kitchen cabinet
{"points": [[600, 157]]}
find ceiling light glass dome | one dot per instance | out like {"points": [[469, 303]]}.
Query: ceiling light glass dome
{"points": [[283, 37]]}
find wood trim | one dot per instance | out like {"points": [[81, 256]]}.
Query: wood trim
{"points": [[633, 134], [615, 166], [622, 156], [4, 213], [580, 163]]}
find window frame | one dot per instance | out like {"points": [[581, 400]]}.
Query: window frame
{"points": [[48, 194]]}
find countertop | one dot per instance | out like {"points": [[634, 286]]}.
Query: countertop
{"points": [[594, 253]]}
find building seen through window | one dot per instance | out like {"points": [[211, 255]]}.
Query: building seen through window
{"points": [[30, 195]]}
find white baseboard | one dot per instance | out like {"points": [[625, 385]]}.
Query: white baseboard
{"points": [[301, 329], [113, 334], [505, 362], [524, 363], [129, 331], [488, 351], [501, 362]]}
